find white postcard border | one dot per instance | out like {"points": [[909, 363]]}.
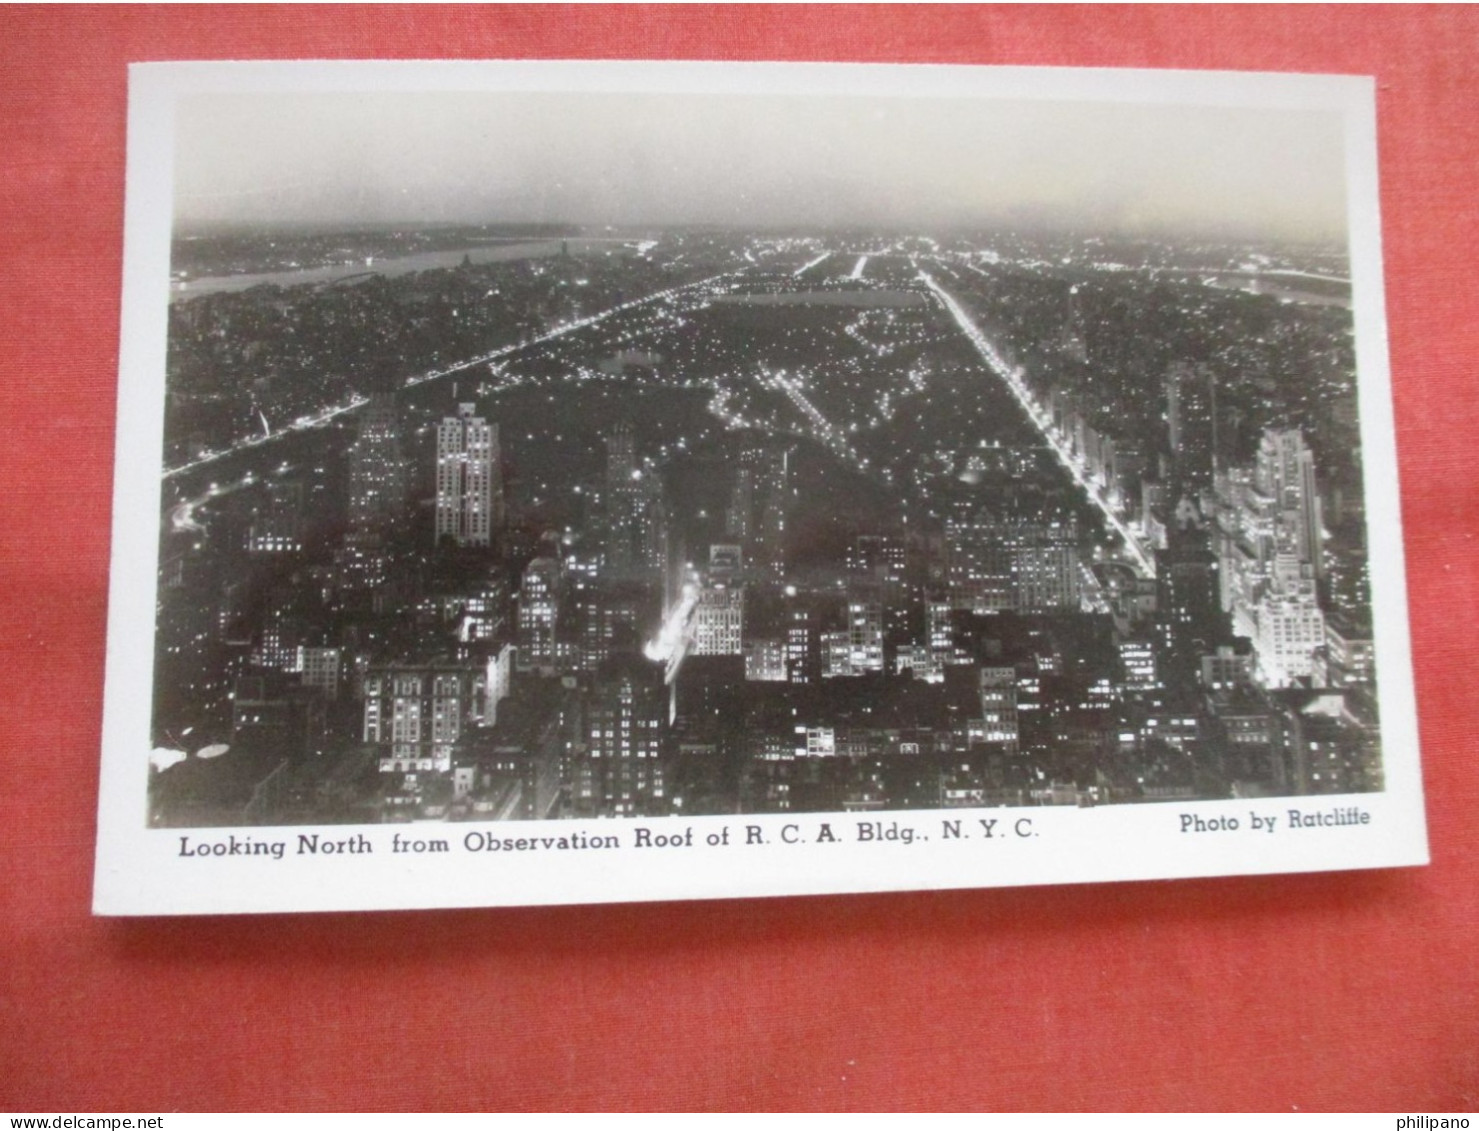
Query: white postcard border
{"points": [[143, 871]]}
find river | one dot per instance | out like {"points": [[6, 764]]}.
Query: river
{"points": [[181, 290]]}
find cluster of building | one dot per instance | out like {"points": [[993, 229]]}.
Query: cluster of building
{"points": [[451, 661]]}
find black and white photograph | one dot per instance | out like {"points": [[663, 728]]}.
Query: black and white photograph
{"points": [[561, 483]]}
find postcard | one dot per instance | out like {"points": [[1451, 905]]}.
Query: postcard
{"points": [[581, 482]]}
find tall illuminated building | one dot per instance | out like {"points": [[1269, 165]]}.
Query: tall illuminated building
{"points": [[377, 469], [623, 503], [469, 504], [771, 474], [756, 516], [539, 600], [636, 525], [1191, 419], [621, 455], [998, 693], [414, 713], [1285, 476], [801, 645], [865, 636], [1269, 549], [616, 768], [1189, 621], [719, 620], [377, 495], [740, 518]]}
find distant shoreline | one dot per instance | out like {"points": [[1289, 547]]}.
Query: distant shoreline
{"points": [[185, 289]]}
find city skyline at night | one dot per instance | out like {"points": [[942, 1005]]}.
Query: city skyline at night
{"points": [[750, 523]]}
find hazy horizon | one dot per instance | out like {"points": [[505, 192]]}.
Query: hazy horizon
{"points": [[773, 162]]}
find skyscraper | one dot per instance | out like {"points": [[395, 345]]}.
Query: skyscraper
{"points": [[741, 512], [636, 545], [801, 645], [1285, 475], [1191, 419], [998, 692], [469, 479], [771, 472], [1269, 545], [539, 602], [377, 470], [377, 495], [756, 516], [1189, 620]]}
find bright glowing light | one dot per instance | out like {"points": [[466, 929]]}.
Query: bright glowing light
{"points": [[670, 637], [162, 758]]}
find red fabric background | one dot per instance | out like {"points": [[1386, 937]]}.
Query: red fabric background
{"points": [[1316, 992]]}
